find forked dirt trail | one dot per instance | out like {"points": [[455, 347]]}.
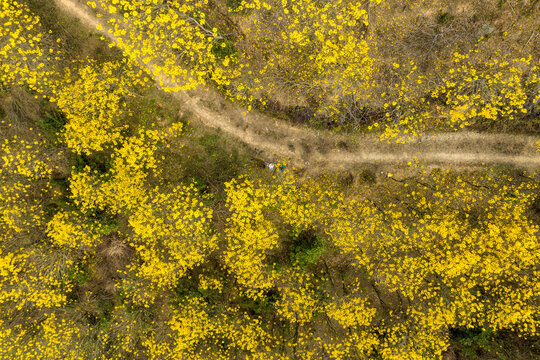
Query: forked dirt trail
{"points": [[302, 146]]}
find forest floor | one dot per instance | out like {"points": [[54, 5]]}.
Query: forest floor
{"points": [[314, 150]]}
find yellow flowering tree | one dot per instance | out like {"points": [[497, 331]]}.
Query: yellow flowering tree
{"points": [[493, 90], [452, 250], [26, 52], [54, 337], [249, 235], [24, 171], [123, 187], [307, 50], [171, 234], [191, 50], [93, 101]]}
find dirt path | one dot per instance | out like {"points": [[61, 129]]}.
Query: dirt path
{"points": [[303, 146]]}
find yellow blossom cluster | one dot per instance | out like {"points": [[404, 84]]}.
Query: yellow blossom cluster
{"points": [[494, 90], [25, 51], [303, 204], [454, 247], [171, 233], [324, 57], [310, 50], [299, 47], [72, 230], [123, 186], [93, 101], [191, 49], [21, 157], [297, 301], [198, 330], [54, 337], [249, 235], [35, 280], [24, 171], [31, 277], [351, 312]]}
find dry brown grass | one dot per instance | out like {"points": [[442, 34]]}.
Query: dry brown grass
{"points": [[111, 257]]}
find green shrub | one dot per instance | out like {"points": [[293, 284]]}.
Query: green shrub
{"points": [[223, 48], [234, 4], [109, 223], [263, 306], [536, 205], [443, 17], [307, 249], [52, 124], [100, 162], [472, 343]]}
